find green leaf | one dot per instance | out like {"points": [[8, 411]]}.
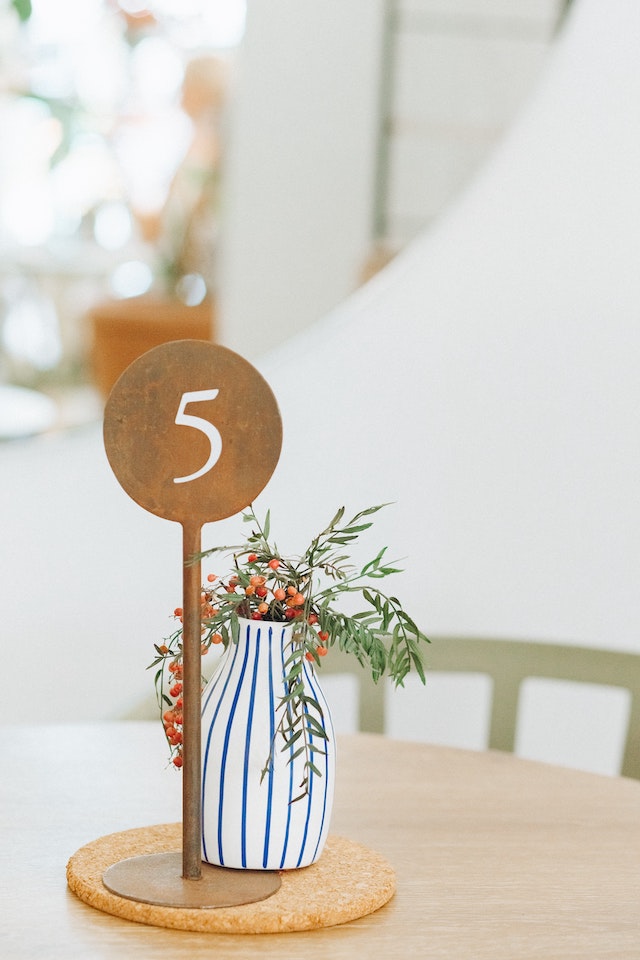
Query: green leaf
{"points": [[357, 529], [338, 517], [291, 740], [372, 565], [22, 8], [368, 512], [316, 730]]}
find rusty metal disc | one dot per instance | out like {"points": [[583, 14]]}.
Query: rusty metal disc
{"points": [[192, 431], [157, 879]]}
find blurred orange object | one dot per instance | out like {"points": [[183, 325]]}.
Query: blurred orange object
{"points": [[122, 330]]}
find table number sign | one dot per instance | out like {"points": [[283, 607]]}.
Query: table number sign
{"points": [[193, 433]]}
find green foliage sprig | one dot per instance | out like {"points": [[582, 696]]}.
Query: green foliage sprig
{"points": [[263, 584]]}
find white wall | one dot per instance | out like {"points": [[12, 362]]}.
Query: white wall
{"points": [[353, 124], [301, 169], [460, 73], [487, 380]]}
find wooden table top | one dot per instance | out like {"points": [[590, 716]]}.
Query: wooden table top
{"points": [[495, 857]]}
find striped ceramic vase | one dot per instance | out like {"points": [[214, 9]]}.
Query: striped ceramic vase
{"points": [[249, 821]]}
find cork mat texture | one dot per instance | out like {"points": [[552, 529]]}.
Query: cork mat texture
{"points": [[347, 882]]}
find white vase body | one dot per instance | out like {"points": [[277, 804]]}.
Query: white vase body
{"points": [[249, 821]]}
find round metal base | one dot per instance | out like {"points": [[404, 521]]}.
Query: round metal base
{"points": [[157, 879]]}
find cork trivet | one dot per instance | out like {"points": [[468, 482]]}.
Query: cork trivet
{"points": [[347, 882]]}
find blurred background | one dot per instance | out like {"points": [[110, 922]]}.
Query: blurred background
{"points": [[161, 176], [433, 198], [112, 117]]}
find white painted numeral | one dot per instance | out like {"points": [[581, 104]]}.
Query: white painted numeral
{"points": [[198, 423]]}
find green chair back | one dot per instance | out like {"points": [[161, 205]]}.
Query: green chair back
{"points": [[509, 663]]}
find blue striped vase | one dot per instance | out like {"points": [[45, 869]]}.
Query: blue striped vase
{"points": [[246, 823]]}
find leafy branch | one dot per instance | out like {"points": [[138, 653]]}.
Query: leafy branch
{"points": [[305, 591]]}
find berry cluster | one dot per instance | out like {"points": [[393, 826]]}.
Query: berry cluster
{"points": [[257, 596], [172, 718], [169, 656], [262, 588]]}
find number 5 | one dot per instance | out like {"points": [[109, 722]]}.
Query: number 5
{"points": [[198, 423]]}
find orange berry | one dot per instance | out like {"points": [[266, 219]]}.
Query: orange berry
{"points": [[177, 761], [177, 612], [257, 581], [308, 655], [216, 638], [250, 590], [323, 635], [163, 648], [291, 591], [212, 577], [263, 607], [279, 594], [298, 599], [274, 563], [322, 651], [252, 558]]}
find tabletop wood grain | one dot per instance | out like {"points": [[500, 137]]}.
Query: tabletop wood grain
{"points": [[495, 857]]}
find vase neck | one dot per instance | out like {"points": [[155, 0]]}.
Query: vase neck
{"points": [[264, 640], [254, 631]]}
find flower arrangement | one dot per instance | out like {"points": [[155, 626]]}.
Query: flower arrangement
{"points": [[265, 585]]}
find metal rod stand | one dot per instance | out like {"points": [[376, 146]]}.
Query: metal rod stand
{"points": [[191, 692]]}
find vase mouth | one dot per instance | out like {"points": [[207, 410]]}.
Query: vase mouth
{"points": [[285, 624]]}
